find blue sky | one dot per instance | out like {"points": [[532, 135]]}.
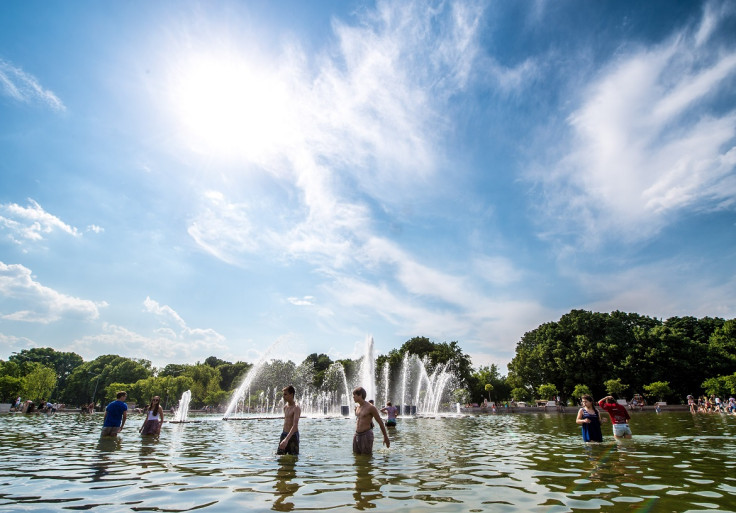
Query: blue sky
{"points": [[185, 179]]}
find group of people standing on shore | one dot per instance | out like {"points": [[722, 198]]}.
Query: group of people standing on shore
{"points": [[712, 404], [590, 419]]}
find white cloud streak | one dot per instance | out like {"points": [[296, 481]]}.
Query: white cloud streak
{"points": [[649, 141], [31, 223], [183, 333], [36, 303], [25, 88], [369, 124]]}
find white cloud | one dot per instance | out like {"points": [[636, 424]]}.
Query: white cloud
{"points": [[168, 316], [161, 348], [649, 141], [223, 229], [303, 301], [497, 270], [171, 340], [24, 299], [11, 343], [31, 223], [366, 121], [25, 88]]}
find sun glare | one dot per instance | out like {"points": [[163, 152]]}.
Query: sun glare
{"points": [[228, 107]]}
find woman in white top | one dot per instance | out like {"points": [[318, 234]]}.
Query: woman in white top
{"points": [[154, 418]]}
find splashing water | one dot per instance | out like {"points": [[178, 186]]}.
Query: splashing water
{"points": [[183, 411]]}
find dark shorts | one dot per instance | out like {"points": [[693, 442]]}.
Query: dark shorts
{"points": [[363, 442], [110, 430], [292, 447], [391, 422]]}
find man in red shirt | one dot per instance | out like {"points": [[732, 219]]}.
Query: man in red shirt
{"points": [[619, 417]]}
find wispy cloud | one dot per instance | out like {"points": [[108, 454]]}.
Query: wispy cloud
{"points": [[366, 123], [650, 140], [161, 347], [33, 302], [301, 301], [170, 339], [25, 88], [180, 331], [650, 289], [369, 129], [31, 223]]}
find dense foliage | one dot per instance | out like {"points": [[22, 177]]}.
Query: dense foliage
{"points": [[583, 352], [625, 353]]}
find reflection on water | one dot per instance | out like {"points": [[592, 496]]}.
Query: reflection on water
{"points": [[534, 462]]}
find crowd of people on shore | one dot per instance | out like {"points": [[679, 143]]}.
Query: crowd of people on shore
{"points": [[712, 404]]}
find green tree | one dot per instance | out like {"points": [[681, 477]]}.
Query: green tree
{"points": [[489, 375], [214, 362], [39, 382], [319, 364], [205, 381], [63, 363], [488, 388], [548, 391], [232, 374], [659, 389], [87, 380], [580, 390], [520, 394], [10, 388], [614, 386], [719, 385], [722, 349]]}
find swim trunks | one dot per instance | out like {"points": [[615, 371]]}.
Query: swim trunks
{"points": [[391, 422], [363, 442], [621, 430], [292, 447]]}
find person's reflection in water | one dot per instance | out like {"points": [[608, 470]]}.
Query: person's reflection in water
{"points": [[148, 452], [101, 463], [284, 486], [367, 489]]}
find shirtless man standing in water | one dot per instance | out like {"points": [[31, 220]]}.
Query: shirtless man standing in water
{"points": [[366, 412], [290, 434]]}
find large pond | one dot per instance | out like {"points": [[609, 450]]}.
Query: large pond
{"points": [[512, 462]]}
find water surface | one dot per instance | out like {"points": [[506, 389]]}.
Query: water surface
{"points": [[507, 463]]}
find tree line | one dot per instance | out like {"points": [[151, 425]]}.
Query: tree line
{"points": [[44, 373], [628, 354], [583, 352]]}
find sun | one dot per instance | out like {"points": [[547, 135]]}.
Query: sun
{"points": [[229, 107]]}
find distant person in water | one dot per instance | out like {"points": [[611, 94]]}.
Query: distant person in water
{"points": [[619, 417], [589, 420], [289, 443], [116, 414], [154, 418], [391, 411], [366, 413]]}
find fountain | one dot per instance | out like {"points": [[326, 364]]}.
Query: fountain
{"points": [[183, 411], [368, 370], [244, 387], [260, 391]]}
